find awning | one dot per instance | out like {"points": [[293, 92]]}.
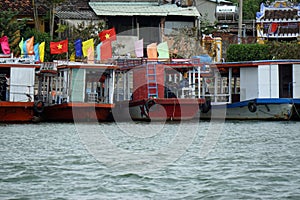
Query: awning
{"points": [[141, 9]]}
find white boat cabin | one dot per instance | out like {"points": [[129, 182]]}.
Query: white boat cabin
{"points": [[255, 79], [76, 82], [17, 79]]}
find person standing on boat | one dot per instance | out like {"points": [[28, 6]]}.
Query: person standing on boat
{"points": [[53, 94]]}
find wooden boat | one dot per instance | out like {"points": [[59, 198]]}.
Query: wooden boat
{"points": [[256, 90], [17, 81], [75, 91], [158, 90]]}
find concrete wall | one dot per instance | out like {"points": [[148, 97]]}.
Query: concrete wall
{"points": [[207, 7]]}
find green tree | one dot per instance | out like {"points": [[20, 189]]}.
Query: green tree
{"points": [[10, 27], [52, 6]]}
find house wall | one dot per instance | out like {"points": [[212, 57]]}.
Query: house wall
{"points": [[296, 81], [248, 83], [207, 7], [268, 81]]}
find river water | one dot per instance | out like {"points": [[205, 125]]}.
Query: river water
{"points": [[240, 160]]}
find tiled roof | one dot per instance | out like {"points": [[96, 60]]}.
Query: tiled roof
{"points": [[72, 5], [76, 15], [24, 7], [141, 8]]}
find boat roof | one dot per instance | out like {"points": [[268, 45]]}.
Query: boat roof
{"points": [[82, 65], [256, 63], [7, 60]]}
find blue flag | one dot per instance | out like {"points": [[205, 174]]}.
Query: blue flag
{"points": [[98, 51], [36, 52], [78, 48]]}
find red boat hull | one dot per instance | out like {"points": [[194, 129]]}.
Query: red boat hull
{"points": [[169, 109], [78, 112], [16, 111]]}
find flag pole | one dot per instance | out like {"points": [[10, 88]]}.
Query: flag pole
{"points": [[67, 57]]}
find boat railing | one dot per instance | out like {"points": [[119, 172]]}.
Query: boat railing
{"points": [[49, 66], [130, 62], [224, 98], [27, 60]]}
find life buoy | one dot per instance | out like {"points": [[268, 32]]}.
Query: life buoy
{"points": [[39, 106], [252, 106]]}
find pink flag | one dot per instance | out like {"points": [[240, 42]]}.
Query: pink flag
{"points": [[90, 55], [5, 45], [139, 48], [106, 50]]}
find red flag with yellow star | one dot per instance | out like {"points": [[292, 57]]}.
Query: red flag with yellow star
{"points": [[109, 34], [59, 47]]}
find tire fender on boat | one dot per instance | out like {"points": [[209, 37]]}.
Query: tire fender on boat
{"points": [[39, 106], [252, 106], [204, 108], [148, 104]]}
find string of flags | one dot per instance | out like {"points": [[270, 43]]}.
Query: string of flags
{"points": [[103, 50]]}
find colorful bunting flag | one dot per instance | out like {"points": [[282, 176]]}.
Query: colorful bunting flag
{"points": [[29, 46], [106, 50], [163, 50], [42, 51], [72, 57], [5, 45], [59, 47], [25, 48], [139, 48], [98, 51], [36, 52], [86, 45], [109, 34], [21, 43], [91, 55], [78, 48], [152, 51]]}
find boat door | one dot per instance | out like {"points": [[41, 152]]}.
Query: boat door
{"points": [[285, 80]]}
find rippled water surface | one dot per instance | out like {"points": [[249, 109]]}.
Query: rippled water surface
{"points": [[246, 160]]}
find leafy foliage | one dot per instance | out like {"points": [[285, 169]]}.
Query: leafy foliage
{"points": [[11, 28], [270, 50]]}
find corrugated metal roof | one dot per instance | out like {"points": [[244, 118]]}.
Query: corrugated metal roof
{"points": [[141, 9]]}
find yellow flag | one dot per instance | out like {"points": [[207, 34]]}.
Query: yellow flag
{"points": [[86, 45], [21, 46], [72, 57], [42, 51]]}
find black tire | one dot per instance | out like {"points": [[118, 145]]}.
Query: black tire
{"points": [[252, 106], [39, 107], [149, 103], [204, 108]]}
